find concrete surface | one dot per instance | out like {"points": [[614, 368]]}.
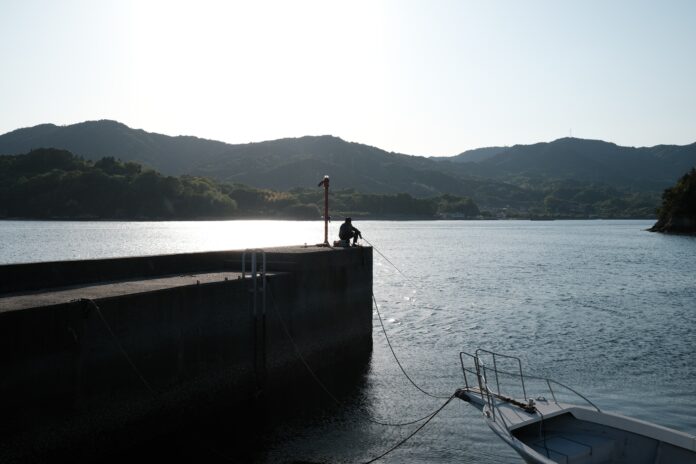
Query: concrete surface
{"points": [[63, 295], [157, 347]]}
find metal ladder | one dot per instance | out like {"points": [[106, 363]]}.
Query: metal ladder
{"points": [[258, 311]]}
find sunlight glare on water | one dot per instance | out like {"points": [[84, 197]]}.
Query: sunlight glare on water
{"points": [[27, 241]]}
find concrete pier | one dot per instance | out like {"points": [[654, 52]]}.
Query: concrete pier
{"points": [[98, 354]]}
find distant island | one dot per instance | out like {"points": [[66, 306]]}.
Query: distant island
{"points": [[55, 184], [678, 212], [568, 178]]}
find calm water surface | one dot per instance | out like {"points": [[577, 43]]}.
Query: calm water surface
{"points": [[602, 306]]}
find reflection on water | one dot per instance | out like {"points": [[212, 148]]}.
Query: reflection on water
{"points": [[25, 241], [602, 306]]}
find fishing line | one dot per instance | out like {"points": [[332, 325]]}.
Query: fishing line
{"points": [[388, 260]]}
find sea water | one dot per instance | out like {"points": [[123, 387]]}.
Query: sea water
{"points": [[602, 306]]}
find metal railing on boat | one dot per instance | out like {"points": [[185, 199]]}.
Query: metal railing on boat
{"points": [[491, 397]]}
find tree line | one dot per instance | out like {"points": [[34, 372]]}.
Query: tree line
{"points": [[55, 184]]}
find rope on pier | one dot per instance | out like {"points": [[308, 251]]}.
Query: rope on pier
{"points": [[118, 344], [137, 372]]}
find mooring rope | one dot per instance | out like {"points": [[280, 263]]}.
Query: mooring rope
{"points": [[321, 384], [149, 388], [412, 434], [396, 358], [429, 417], [384, 330]]}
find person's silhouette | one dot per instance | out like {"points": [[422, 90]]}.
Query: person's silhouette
{"points": [[347, 231]]}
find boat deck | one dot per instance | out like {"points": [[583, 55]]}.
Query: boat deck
{"points": [[575, 447], [555, 432], [516, 417], [564, 433]]}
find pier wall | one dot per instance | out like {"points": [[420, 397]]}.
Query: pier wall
{"points": [[90, 373]]}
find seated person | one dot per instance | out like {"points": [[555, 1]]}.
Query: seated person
{"points": [[347, 231]]}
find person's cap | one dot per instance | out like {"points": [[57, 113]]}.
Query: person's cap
{"points": [[348, 219]]}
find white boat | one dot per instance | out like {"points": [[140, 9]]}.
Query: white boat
{"points": [[549, 430]]}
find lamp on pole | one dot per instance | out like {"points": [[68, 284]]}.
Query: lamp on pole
{"points": [[325, 183]]}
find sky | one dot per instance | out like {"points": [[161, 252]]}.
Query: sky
{"points": [[430, 77]]}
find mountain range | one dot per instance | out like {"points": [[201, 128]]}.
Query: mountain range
{"points": [[494, 177], [587, 160]]}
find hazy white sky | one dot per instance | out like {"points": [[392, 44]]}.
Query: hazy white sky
{"points": [[429, 77]]}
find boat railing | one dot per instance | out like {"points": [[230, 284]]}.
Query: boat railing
{"points": [[491, 378], [488, 396]]}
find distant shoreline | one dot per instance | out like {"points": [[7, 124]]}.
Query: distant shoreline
{"points": [[337, 219]]}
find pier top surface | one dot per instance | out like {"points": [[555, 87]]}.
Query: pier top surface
{"points": [[39, 284], [95, 291]]}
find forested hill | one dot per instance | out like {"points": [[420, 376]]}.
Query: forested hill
{"points": [[278, 164], [55, 184], [94, 140], [583, 160], [286, 163], [564, 178]]}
